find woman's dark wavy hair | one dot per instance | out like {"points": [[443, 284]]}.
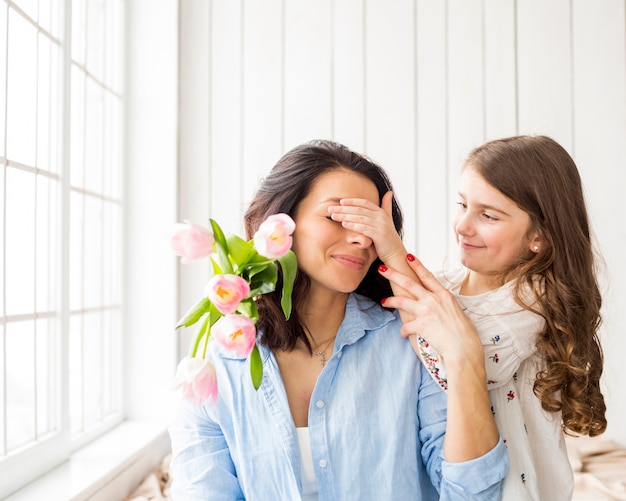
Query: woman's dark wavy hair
{"points": [[542, 179], [289, 181]]}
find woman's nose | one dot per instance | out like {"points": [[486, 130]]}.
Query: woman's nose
{"points": [[359, 239]]}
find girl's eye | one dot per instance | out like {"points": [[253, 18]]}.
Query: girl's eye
{"points": [[462, 204], [489, 217]]}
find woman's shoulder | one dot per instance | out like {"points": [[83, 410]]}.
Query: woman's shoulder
{"points": [[366, 313]]}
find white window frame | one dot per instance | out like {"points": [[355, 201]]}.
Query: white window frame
{"points": [[119, 458]]}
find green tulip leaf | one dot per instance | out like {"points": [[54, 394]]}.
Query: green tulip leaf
{"points": [[222, 247], [240, 251], [256, 367], [289, 265], [264, 280], [195, 313]]}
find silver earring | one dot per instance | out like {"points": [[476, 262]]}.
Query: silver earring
{"points": [[536, 248]]}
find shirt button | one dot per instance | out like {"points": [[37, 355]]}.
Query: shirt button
{"points": [[338, 354], [323, 463], [319, 404]]}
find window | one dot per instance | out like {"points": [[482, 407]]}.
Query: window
{"points": [[61, 130]]}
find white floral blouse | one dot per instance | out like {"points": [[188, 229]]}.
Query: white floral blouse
{"points": [[539, 465]]}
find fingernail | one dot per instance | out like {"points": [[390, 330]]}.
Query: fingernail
{"points": [[382, 301], [382, 268], [410, 257]]}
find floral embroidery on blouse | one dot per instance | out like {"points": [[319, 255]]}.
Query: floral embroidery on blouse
{"points": [[431, 360]]}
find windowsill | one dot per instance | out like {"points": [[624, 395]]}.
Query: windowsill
{"points": [[109, 468]]}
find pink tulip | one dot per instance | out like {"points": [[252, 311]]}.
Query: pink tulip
{"points": [[273, 238], [235, 333], [195, 381], [191, 242], [226, 292]]}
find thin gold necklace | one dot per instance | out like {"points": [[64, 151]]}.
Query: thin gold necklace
{"points": [[322, 354]]}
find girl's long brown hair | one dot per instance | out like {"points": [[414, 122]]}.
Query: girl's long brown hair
{"points": [[289, 181], [541, 177]]}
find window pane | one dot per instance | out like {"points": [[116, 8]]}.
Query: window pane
{"points": [[20, 364], [95, 36], [3, 69], [111, 265], [75, 357], [92, 378], [78, 31], [77, 138], [93, 137], [3, 385], [2, 246], [76, 251], [22, 90], [92, 293], [47, 235], [112, 155], [48, 396], [47, 106], [29, 7], [20, 242], [50, 15], [111, 322], [113, 45]]}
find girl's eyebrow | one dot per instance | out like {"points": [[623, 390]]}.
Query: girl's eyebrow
{"points": [[483, 206]]}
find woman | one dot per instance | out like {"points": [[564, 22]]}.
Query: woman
{"points": [[345, 409]]}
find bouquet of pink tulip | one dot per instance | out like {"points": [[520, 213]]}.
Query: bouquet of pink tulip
{"points": [[241, 271]]}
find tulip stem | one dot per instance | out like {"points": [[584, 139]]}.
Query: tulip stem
{"points": [[206, 341], [203, 328]]}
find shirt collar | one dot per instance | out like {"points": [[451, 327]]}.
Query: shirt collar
{"points": [[362, 315]]}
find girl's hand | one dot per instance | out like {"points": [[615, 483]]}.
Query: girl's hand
{"points": [[435, 314], [375, 222]]}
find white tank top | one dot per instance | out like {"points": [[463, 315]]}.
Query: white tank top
{"points": [[309, 482]]}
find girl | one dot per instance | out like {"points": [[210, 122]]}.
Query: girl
{"points": [[529, 285], [344, 410]]}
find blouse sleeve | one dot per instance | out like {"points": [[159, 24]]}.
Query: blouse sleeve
{"points": [[479, 478], [201, 465]]}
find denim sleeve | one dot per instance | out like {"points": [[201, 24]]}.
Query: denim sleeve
{"points": [[201, 465], [480, 478], [477, 479]]}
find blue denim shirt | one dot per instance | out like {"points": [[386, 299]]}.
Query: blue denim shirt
{"points": [[376, 422]]}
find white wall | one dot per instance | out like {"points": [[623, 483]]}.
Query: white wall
{"points": [[151, 156], [414, 84]]}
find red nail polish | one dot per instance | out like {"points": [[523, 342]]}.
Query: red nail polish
{"points": [[410, 257], [382, 301], [382, 268]]}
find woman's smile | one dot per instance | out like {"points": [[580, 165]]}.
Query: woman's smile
{"points": [[356, 263]]}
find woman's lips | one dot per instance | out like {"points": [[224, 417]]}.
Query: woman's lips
{"points": [[353, 262]]}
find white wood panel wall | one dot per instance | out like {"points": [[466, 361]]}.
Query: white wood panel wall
{"points": [[414, 84]]}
